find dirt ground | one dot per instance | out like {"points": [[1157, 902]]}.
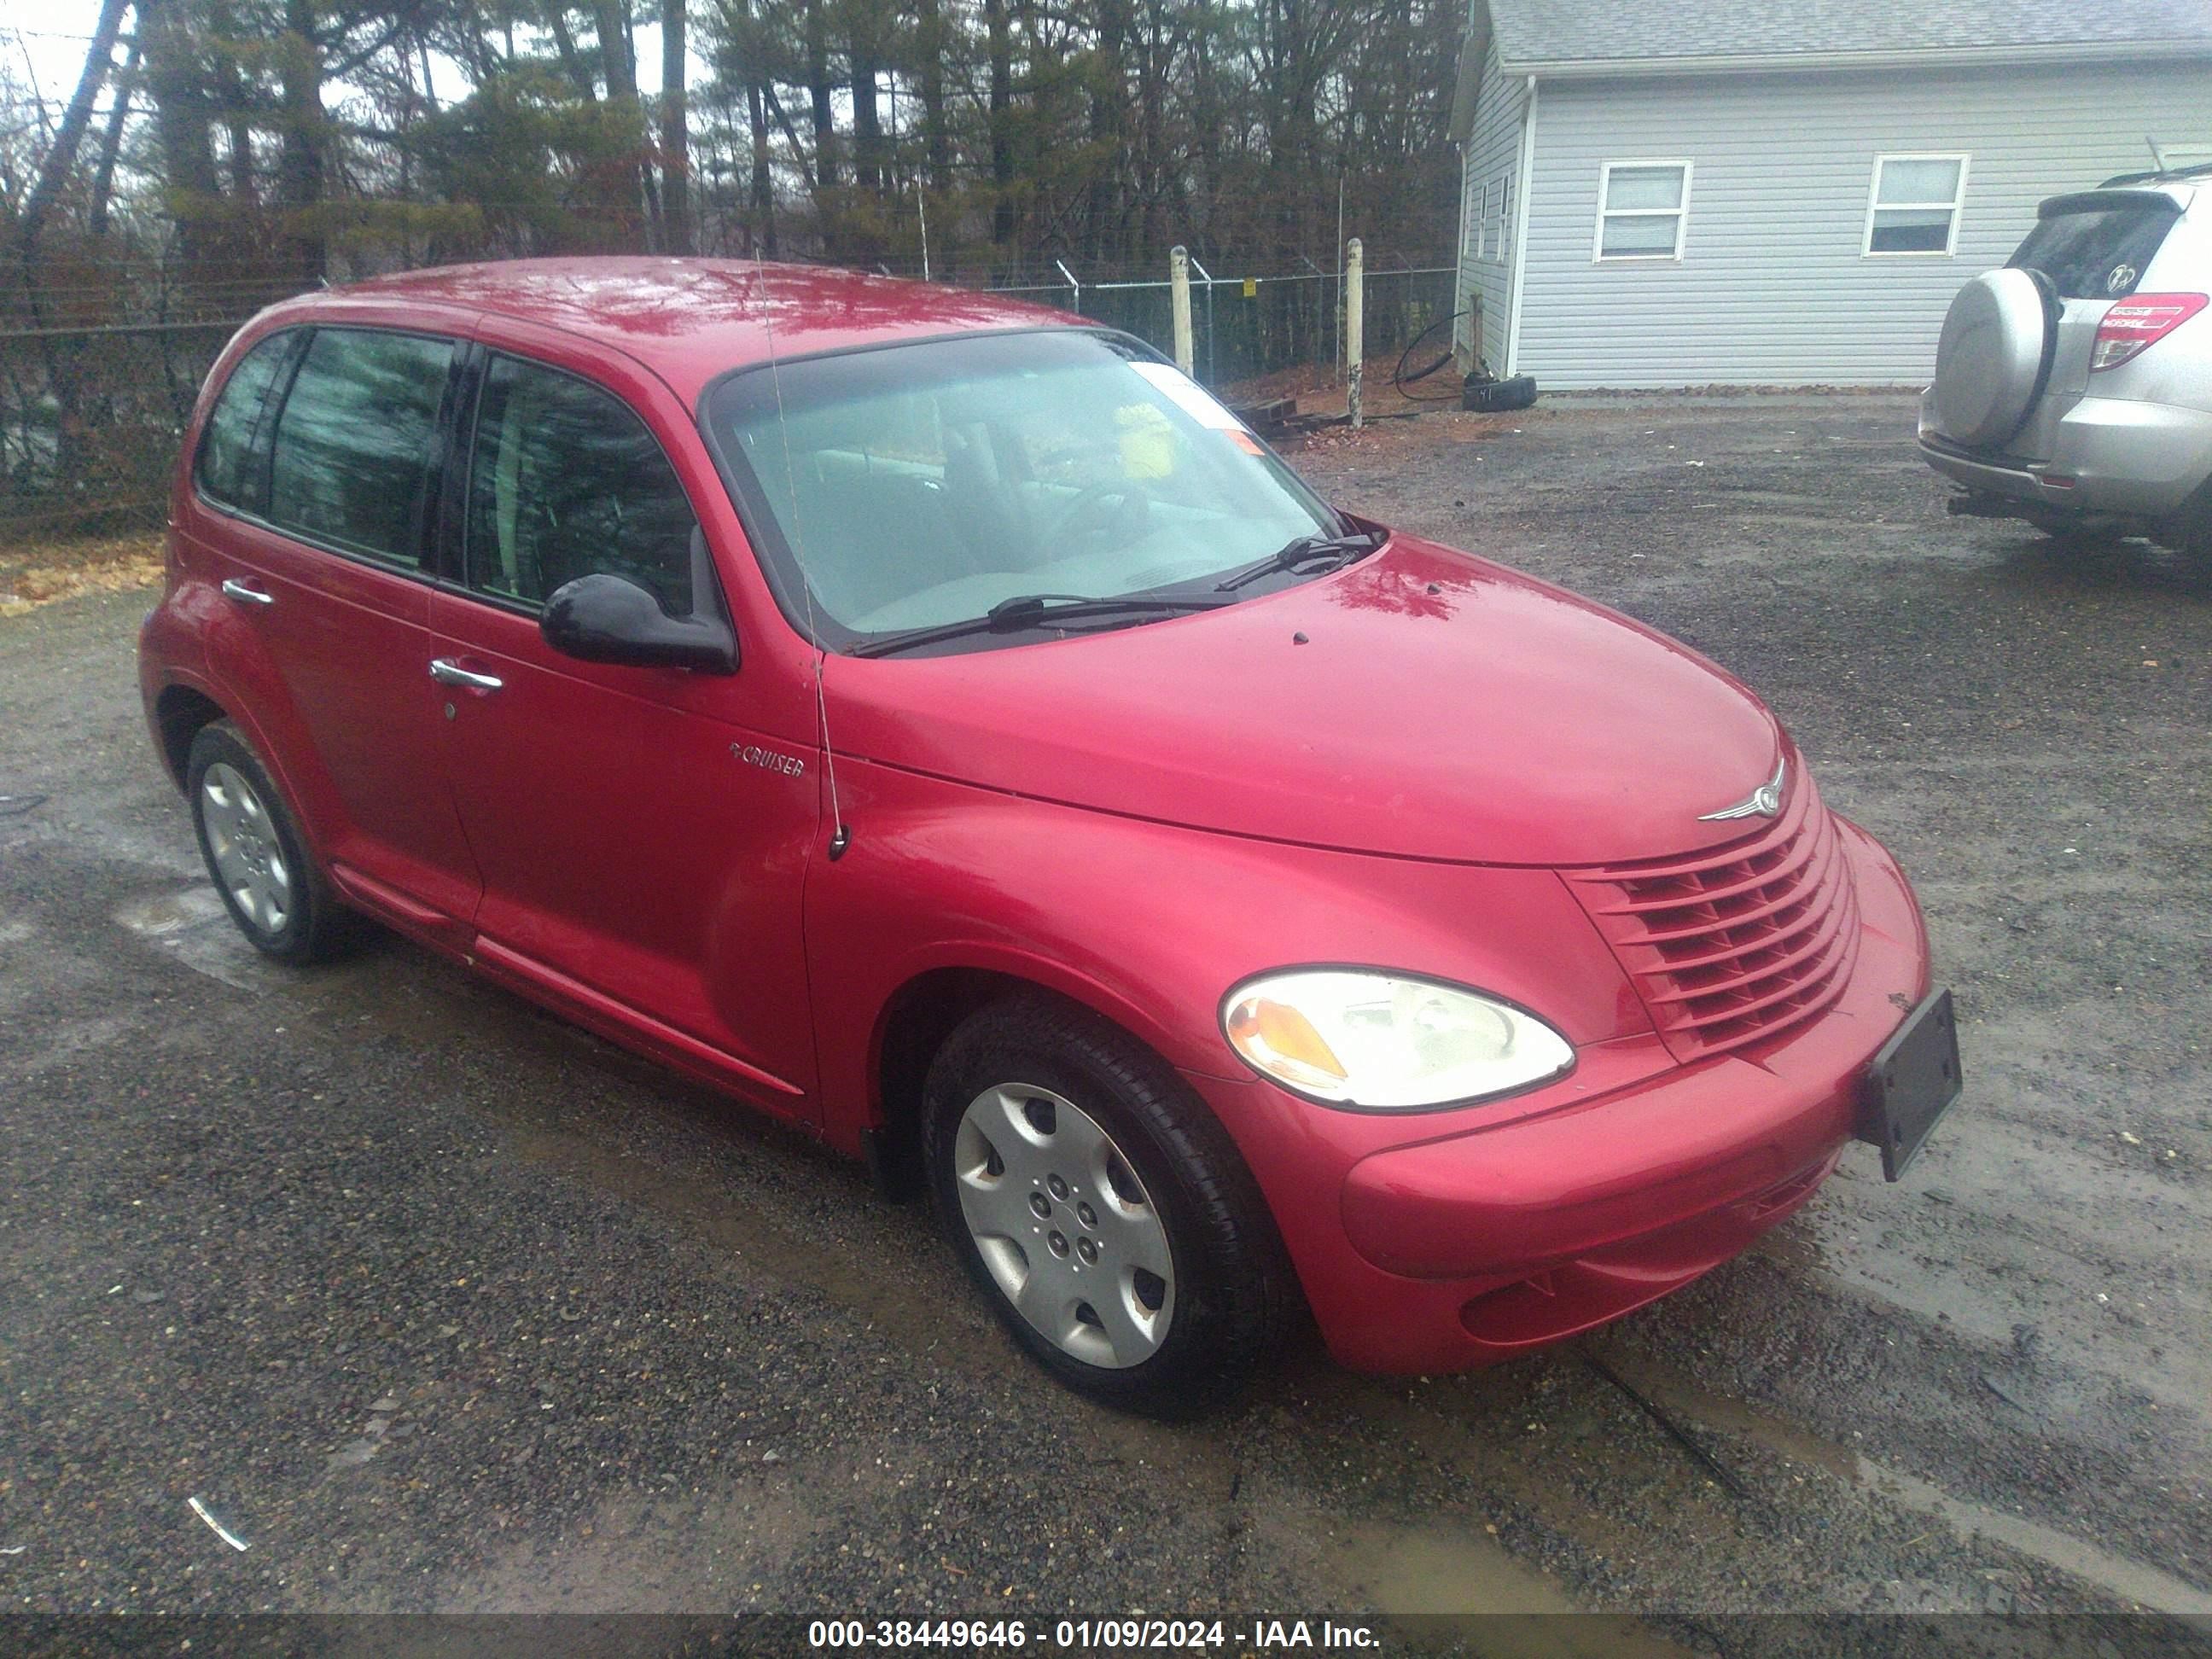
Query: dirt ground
{"points": [[439, 1304]]}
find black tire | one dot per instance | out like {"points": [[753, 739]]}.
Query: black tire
{"points": [[311, 926], [1233, 1290], [2190, 531], [1498, 397]]}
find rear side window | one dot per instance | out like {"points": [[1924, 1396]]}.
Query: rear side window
{"points": [[226, 472], [2097, 252], [354, 443], [567, 482]]}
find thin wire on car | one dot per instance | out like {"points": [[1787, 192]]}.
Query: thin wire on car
{"points": [[840, 837]]}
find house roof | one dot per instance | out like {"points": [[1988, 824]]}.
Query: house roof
{"points": [[1586, 37]]}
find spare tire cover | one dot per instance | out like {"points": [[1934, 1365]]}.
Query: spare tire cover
{"points": [[1988, 362]]}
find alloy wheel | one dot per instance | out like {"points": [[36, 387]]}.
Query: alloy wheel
{"points": [[248, 856]]}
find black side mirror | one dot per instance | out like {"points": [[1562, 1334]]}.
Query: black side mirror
{"points": [[603, 618]]}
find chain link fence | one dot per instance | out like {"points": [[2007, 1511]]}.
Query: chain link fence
{"points": [[90, 417]]}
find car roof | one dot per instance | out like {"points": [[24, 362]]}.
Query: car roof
{"points": [[691, 320]]}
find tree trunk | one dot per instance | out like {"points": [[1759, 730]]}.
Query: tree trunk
{"points": [[675, 131], [571, 61], [111, 142], [763, 179], [929, 50], [62, 155], [1002, 98], [621, 69], [868, 169], [300, 161], [181, 135], [1108, 99], [819, 87]]}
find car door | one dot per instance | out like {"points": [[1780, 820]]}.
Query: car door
{"points": [[641, 863], [318, 543]]}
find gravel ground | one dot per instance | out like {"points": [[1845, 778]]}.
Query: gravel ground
{"points": [[442, 1306]]}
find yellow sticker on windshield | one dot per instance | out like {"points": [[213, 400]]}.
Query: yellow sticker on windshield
{"points": [[1147, 441]]}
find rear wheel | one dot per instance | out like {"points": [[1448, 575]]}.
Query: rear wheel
{"points": [[1101, 1209], [255, 854]]}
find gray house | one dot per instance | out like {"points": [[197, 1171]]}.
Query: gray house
{"points": [[1786, 192]]}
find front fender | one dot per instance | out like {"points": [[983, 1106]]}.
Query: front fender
{"points": [[1151, 924]]}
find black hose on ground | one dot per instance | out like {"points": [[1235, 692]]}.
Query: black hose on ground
{"points": [[1400, 380]]}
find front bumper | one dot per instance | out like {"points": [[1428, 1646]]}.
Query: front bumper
{"points": [[2115, 456], [1483, 1242]]}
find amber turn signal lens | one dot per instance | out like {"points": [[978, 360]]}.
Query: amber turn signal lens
{"points": [[1283, 1034]]}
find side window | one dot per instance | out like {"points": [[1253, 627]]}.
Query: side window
{"points": [[353, 444], [1913, 207], [1642, 207], [226, 471], [566, 481]]}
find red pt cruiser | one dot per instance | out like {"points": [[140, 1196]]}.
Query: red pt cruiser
{"points": [[938, 722]]}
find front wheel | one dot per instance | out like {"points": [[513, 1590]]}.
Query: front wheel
{"points": [[1101, 1209]]}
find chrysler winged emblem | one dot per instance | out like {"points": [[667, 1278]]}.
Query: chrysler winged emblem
{"points": [[1764, 802]]}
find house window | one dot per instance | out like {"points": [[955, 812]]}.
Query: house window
{"points": [[1502, 194], [1641, 210], [1913, 207]]}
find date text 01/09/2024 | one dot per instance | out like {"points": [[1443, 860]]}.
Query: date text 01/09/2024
{"points": [[1089, 1635]]}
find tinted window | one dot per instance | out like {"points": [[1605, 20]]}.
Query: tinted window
{"points": [[353, 445], [2099, 253], [567, 482], [226, 469]]}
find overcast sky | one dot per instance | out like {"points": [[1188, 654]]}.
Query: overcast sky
{"points": [[46, 40]]}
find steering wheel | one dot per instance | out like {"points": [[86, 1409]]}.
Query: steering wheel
{"points": [[1088, 503]]}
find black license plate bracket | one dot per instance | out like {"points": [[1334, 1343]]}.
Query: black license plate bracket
{"points": [[1911, 1084]]}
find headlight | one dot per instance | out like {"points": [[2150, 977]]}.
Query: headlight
{"points": [[1386, 1042]]}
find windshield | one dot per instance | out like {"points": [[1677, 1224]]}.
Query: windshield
{"points": [[915, 486]]}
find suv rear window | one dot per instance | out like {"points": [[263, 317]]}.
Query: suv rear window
{"points": [[2097, 250]]}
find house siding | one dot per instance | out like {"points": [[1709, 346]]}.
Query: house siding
{"points": [[1492, 153], [1771, 288]]}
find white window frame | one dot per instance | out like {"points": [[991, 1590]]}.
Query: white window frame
{"points": [[1680, 215], [1957, 205], [1501, 188]]}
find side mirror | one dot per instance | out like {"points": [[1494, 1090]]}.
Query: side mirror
{"points": [[604, 618]]}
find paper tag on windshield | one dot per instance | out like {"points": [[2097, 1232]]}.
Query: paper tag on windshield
{"points": [[1193, 400]]}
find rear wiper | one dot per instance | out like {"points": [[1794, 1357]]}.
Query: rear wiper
{"points": [[1303, 550], [1034, 610]]}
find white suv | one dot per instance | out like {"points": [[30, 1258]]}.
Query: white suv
{"points": [[2073, 387]]}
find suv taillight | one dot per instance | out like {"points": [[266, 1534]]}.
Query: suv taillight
{"points": [[2139, 322]]}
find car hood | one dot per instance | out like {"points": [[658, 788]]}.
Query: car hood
{"points": [[1421, 702]]}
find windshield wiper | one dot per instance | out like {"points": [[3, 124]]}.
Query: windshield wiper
{"points": [[1035, 611], [1303, 550]]}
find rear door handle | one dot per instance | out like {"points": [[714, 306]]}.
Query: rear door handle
{"points": [[447, 671], [234, 589]]}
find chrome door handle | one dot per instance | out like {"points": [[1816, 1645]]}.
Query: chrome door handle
{"points": [[447, 671], [234, 589]]}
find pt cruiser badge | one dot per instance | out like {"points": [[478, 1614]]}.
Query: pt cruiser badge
{"points": [[753, 755], [1764, 802]]}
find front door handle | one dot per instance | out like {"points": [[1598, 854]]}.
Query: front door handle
{"points": [[447, 671], [234, 589]]}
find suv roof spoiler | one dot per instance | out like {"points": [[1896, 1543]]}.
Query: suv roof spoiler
{"points": [[2105, 197], [2160, 175]]}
